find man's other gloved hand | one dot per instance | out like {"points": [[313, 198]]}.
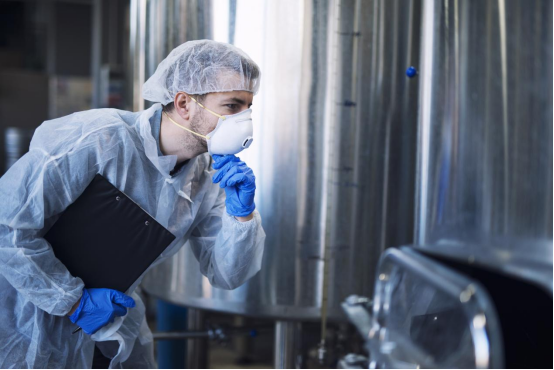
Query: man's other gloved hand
{"points": [[99, 307]]}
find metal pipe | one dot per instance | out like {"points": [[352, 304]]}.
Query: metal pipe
{"points": [[137, 46], [176, 335], [286, 344], [220, 334], [170, 318], [197, 348], [96, 52], [242, 344]]}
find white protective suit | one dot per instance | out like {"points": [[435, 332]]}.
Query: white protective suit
{"points": [[38, 291]]}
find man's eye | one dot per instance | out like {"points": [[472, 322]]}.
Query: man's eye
{"points": [[231, 106]]}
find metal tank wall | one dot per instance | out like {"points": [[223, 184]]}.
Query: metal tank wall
{"points": [[157, 27], [485, 144], [335, 163], [371, 180]]}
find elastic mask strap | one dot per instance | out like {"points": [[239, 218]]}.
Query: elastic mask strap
{"points": [[209, 110], [184, 128]]}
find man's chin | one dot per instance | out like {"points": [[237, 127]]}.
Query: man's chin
{"points": [[201, 151]]}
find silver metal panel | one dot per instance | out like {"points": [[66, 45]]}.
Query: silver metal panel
{"points": [[338, 134], [485, 161]]}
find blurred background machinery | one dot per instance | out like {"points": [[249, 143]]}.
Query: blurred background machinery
{"points": [[403, 155], [58, 57]]}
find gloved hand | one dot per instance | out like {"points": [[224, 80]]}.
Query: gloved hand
{"points": [[99, 307], [239, 183]]}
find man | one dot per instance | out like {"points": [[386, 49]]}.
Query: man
{"points": [[158, 157]]}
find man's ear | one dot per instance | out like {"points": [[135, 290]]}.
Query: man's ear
{"points": [[183, 103]]}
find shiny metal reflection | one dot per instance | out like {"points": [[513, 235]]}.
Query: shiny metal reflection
{"points": [[337, 138], [485, 145]]}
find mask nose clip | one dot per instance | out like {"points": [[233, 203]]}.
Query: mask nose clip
{"points": [[246, 143]]}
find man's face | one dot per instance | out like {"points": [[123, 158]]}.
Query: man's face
{"points": [[222, 103]]}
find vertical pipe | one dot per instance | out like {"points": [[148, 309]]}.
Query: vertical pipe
{"points": [[285, 344], [3, 159], [133, 37], [505, 129], [113, 19], [96, 52], [197, 349], [50, 16], [426, 83], [241, 343], [141, 57], [171, 353], [232, 20], [549, 118], [137, 51]]}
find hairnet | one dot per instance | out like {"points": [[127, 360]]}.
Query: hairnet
{"points": [[201, 67]]}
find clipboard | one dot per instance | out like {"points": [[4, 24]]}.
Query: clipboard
{"points": [[106, 239]]}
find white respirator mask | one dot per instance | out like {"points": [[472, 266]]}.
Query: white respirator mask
{"points": [[232, 134]]}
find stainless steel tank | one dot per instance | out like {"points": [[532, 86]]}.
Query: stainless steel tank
{"points": [[335, 161], [482, 263], [485, 142]]}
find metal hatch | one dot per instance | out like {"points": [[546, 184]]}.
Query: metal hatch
{"points": [[425, 315]]}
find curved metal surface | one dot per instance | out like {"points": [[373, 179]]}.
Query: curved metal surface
{"points": [[485, 161], [335, 161]]}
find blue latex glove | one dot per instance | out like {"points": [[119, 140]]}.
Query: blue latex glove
{"points": [[99, 307], [239, 183]]}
